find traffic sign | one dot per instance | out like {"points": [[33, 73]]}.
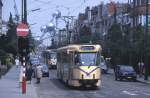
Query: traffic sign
{"points": [[22, 30]]}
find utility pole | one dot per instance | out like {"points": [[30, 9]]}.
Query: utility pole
{"points": [[25, 11], [22, 11], [146, 39], [67, 21]]}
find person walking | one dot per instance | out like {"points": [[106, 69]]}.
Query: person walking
{"points": [[141, 68], [38, 73], [28, 74], [17, 62]]}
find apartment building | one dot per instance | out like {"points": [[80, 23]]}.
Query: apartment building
{"points": [[1, 4], [138, 12]]}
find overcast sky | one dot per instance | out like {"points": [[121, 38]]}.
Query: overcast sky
{"points": [[48, 7]]}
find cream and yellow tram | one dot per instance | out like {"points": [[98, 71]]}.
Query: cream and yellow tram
{"points": [[50, 58], [78, 65]]}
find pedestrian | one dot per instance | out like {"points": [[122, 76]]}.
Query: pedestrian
{"points": [[141, 68], [38, 73], [17, 62], [28, 74]]}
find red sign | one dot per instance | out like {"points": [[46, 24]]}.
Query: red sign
{"points": [[22, 30]]}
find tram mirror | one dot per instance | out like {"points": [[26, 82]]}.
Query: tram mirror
{"points": [[76, 58]]}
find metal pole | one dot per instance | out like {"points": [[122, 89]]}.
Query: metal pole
{"points": [[22, 16], [25, 11], [146, 35]]}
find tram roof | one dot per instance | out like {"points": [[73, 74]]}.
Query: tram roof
{"points": [[50, 50], [77, 48]]}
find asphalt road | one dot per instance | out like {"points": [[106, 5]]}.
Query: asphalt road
{"points": [[53, 88]]}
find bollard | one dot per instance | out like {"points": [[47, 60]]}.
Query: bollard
{"points": [[23, 85], [24, 78]]}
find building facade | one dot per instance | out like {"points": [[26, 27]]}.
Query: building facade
{"points": [[1, 4], [138, 12]]}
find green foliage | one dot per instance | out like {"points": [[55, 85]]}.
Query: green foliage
{"points": [[114, 40], [11, 44], [85, 34], [96, 38], [2, 56]]}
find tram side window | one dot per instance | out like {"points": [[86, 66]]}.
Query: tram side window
{"points": [[64, 57], [59, 57], [98, 58]]}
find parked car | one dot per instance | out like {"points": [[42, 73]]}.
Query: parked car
{"points": [[45, 70], [125, 72]]}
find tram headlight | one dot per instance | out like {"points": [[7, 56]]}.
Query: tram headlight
{"points": [[82, 76], [93, 76]]}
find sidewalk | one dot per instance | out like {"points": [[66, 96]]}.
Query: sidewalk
{"points": [[141, 79], [9, 86]]}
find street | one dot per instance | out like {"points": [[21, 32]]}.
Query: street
{"points": [[53, 88]]}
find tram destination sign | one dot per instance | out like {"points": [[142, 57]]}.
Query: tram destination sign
{"points": [[87, 48]]}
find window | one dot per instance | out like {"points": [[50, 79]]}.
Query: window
{"points": [[86, 59], [149, 20]]}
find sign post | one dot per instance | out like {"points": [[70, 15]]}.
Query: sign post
{"points": [[22, 30], [22, 33]]}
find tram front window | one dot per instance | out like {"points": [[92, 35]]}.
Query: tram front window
{"points": [[53, 55], [87, 59]]}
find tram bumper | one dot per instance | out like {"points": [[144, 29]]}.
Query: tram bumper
{"points": [[88, 82]]}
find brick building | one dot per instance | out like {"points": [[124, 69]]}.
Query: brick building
{"points": [[138, 12]]}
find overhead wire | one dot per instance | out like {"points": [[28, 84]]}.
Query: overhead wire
{"points": [[79, 6]]}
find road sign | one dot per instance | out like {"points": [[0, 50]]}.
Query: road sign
{"points": [[22, 30]]}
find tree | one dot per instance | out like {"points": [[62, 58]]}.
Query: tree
{"points": [[11, 45], [85, 34], [96, 38], [114, 42]]}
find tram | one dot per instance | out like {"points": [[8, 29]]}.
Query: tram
{"points": [[50, 58], [78, 65]]}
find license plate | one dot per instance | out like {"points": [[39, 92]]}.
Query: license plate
{"points": [[129, 77]]}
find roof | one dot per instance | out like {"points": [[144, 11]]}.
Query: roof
{"points": [[77, 48], [1, 2]]}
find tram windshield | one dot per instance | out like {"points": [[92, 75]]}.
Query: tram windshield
{"points": [[53, 55], [87, 59]]}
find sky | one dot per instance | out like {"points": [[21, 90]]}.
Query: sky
{"points": [[42, 17]]}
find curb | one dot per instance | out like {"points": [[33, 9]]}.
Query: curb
{"points": [[145, 82]]}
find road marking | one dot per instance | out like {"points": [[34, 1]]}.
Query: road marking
{"points": [[129, 93]]}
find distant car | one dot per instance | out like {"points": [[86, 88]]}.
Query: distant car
{"points": [[125, 72], [45, 70]]}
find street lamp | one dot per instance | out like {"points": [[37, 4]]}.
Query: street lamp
{"points": [[44, 29]]}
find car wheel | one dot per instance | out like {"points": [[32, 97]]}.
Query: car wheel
{"points": [[134, 79], [120, 78]]}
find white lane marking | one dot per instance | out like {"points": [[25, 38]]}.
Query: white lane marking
{"points": [[129, 93]]}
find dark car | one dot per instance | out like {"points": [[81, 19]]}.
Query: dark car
{"points": [[125, 72], [45, 70]]}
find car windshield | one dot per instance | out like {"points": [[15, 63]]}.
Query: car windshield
{"points": [[44, 67], [126, 68], [86, 59]]}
